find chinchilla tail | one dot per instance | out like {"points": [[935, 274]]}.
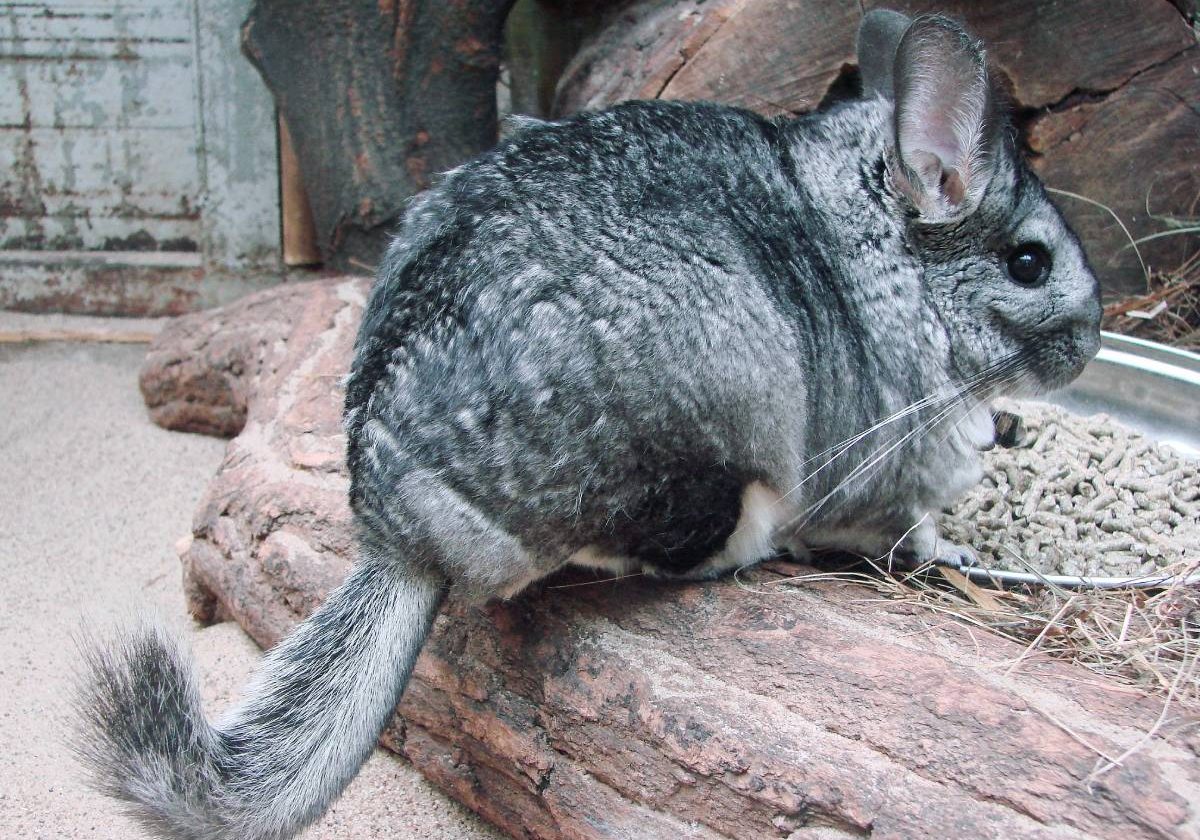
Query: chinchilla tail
{"points": [[273, 764]]}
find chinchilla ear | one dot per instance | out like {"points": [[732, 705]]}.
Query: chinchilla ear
{"points": [[878, 36], [945, 125]]}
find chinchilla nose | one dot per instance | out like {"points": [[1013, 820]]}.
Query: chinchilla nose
{"points": [[1085, 326], [1087, 339]]}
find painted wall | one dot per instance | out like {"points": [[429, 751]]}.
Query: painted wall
{"points": [[138, 162]]}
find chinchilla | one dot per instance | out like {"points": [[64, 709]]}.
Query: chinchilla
{"points": [[665, 337]]}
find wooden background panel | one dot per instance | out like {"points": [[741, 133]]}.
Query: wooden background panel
{"points": [[97, 143], [138, 157]]}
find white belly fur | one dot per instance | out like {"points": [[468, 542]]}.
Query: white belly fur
{"points": [[752, 539]]}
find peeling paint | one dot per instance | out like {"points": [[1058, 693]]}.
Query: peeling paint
{"points": [[96, 143], [132, 126]]}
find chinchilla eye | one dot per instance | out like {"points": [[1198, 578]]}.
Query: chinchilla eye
{"points": [[1029, 264]]}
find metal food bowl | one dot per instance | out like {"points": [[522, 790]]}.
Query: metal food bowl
{"points": [[1148, 386]]}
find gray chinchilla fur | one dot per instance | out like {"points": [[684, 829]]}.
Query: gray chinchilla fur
{"points": [[665, 337]]}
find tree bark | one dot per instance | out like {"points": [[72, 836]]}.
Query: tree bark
{"points": [[540, 37], [379, 98]]}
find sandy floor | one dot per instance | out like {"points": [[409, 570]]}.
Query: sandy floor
{"points": [[92, 500]]}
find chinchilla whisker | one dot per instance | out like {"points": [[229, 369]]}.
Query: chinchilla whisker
{"points": [[996, 377], [877, 460], [802, 519], [838, 450], [1000, 377], [842, 447], [874, 460], [1012, 376], [953, 427], [874, 463], [939, 399]]}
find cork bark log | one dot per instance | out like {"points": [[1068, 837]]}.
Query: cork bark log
{"points": [[632, 709], [1107, 92], [379, 97]]}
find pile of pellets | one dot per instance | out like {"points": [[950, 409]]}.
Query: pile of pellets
{"points": [[1081, 496]]}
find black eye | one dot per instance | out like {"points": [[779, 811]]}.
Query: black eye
{"points": [[1029, 264]]}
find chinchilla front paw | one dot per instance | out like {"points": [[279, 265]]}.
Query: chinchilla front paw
{"points": [[955, 556], [949, 555], [917, 547], [923, 547]]}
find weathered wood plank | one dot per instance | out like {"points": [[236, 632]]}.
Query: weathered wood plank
{"points": [[97, 127], [132, 127], [114, 282], [238, 149]]}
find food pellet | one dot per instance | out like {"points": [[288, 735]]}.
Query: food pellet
{"points": [[1082, 496]]}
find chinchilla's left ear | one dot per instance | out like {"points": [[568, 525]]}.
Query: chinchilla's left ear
{"points": [[946, 127], [878, 36]]}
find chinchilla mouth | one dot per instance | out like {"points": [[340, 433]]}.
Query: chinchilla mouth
{"points": [[1059, 361]]}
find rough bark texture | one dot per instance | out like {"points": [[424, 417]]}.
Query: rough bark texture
{"points": [[207, 389], [379, 98], [1107, 91], [540, 37], [631, 709]]}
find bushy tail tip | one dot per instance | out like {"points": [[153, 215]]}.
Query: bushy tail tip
{"points": [[143, 735], [308, 720]]}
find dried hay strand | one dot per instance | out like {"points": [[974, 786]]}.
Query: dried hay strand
{"points": [[1142, 638], [1147, 640], [1168, 313], [1169, 310]]}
